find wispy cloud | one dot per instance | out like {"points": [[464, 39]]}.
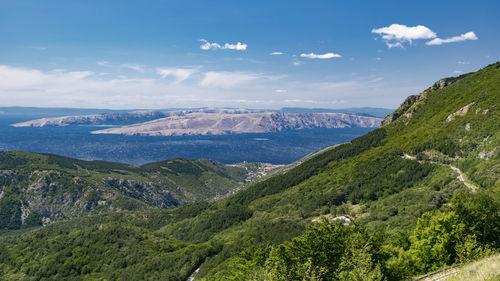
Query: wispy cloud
{"points": [[320, 56], [136, 67], [227, 46], [79, 75], [397, 34], [227, 79], [65, 88], [179, 74], [276, 53], [244, 59], [300, 101], [102, 63], [462, 37]]}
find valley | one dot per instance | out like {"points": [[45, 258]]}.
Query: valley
{"points": [[412, 213], [39, 189], [249, 140]]}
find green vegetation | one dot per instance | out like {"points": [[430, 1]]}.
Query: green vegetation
{"points": [[412, 215], [36, 188], [486, 269]]}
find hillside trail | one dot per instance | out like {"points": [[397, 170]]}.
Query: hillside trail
{"points": [[460, 175], [193, 275]]}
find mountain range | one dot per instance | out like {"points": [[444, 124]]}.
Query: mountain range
{"points": [[206, 122], [419, 193]]}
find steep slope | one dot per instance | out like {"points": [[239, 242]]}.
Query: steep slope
{"points": [[39, 188], [386, 179]]}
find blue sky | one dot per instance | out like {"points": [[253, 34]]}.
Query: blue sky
{"points": [[161, 54]]}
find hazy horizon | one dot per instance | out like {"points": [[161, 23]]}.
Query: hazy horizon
{"points": [[120, 54]]}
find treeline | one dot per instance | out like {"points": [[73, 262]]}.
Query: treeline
{"points": [[466, 230]]}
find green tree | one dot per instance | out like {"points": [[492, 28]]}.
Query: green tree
{"points": [[329, 251], [435, 238]]}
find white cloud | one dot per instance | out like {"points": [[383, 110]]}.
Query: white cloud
{"points": [[227, 46], [397, 34], [102, 63], [180, 74], [336, 85], [458, 72], [462, 62], [227, 79], [136, 67], [296, 63], [378, 58], [300, 101], [377, 79], [320, 56], [466, 36], [78, 75], [238, 46], [85, 89], [276, 53]]}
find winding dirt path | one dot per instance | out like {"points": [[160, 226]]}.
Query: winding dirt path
{"points": [[461, 178], [460, 175]]}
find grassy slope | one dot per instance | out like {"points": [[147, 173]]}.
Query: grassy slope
{"points": [[368, 178], [485, 269]]}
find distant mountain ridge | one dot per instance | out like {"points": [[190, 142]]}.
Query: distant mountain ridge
{"points": [[207, 122], [362, 111]]}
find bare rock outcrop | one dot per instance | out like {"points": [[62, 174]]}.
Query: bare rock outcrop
{"points": [[206, 121], [411, 103], [461, 112], [220, 124]]}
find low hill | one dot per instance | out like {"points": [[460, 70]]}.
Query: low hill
{"points": [[423, 191]]}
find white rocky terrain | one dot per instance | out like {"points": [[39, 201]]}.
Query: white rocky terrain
{"points": [[208, 122]]}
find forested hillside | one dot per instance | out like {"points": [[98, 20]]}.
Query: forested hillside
{"points": [[423, 192], [38, 189]]}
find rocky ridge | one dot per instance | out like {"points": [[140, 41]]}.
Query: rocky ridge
{"points": [[410, 104], [207, 122], [221, 124]]}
